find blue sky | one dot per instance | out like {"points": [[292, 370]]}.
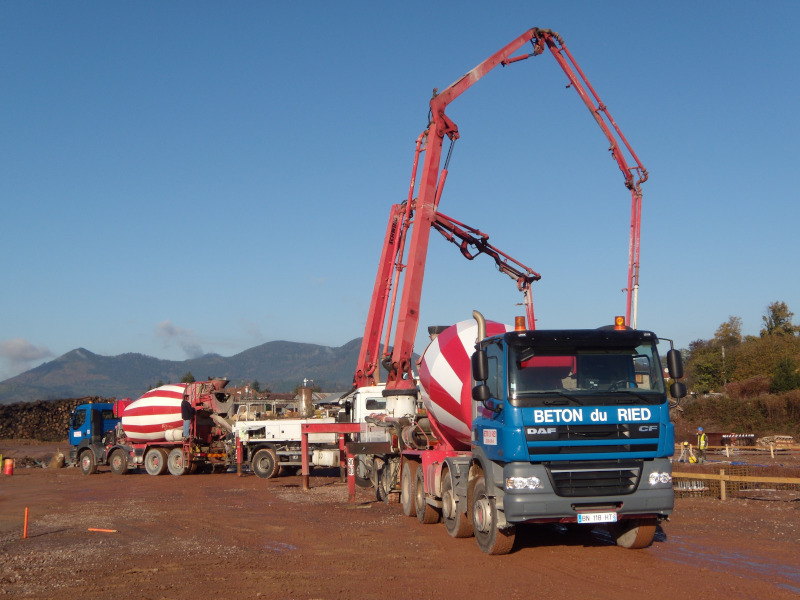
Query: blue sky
{"points": [[188, 177]]}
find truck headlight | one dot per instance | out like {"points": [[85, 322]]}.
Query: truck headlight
{"points": [[656, 478], [523, 483]]}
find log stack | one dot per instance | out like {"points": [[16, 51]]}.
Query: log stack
{"points": [[43, 420]]}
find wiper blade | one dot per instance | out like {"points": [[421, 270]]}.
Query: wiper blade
{"points": [[629, 400], [566, 399]]}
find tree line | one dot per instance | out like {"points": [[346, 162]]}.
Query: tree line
{"points": [[747, 384], [746, 366]]}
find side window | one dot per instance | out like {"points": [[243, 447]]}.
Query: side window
{"points": [[108, 414], [79, 419], [494, 353], [375, 404]]}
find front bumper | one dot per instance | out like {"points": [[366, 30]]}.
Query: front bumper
{"points": [[544, 504]]}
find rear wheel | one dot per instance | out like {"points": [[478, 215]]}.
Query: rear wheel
{"points": [[456, 520], [633, 533], [484, 522], [408, 479], [118, 462], [426, 513], [176, 462], [155, 461], [265, 463], [87, 462]]}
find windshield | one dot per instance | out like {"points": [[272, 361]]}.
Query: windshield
{"points": [[584, 374]]}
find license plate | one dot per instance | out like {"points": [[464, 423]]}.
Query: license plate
{"points": [[600, 517]]}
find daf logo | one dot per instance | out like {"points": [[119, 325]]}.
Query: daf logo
{"points": [[541, 430], [646, 428]]}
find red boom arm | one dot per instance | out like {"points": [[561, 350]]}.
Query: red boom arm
{"points": [[420, 215]]}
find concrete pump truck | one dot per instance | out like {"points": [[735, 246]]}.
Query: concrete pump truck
{"points": [[509, 425]]}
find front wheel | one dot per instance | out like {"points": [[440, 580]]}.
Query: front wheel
{"points": [[118, 462], [633, 533], [87, 462], [265, 463], [490, 539], [386, 481], [176, 462], [363, 472]]}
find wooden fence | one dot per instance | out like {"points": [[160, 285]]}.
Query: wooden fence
{"points": [[738, 482]]}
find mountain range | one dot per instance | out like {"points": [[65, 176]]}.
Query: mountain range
{"points": [[278, 366]]}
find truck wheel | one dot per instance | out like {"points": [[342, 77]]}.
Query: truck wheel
{"points": [[362, 471], [457, 522], [176, 462], [633, 533], [408, 480], [87, 462], [118, 462], [484, 523], [265, 463], [426, 513], [155, 461], [387, 480]]}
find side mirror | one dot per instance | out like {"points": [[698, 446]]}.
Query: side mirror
{"points": [[480, 366], [677, 390], [481, 392], [675, 364]]}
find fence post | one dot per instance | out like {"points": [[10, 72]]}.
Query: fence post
{"points": [[722, 490]]}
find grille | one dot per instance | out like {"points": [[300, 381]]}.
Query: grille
{"points": [[561, 439], [606, 478], [603, 431]]}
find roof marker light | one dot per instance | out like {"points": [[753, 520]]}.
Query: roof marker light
{"points": [[619, 323], [519, 323]]}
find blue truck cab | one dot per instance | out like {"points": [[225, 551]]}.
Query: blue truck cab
{"points": [[574, 428], [89, 428]]}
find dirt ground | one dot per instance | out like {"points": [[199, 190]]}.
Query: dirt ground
{"points": [[224, 536]]}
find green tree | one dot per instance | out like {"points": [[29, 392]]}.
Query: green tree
{"points": [[255, 386], [778, 320], [759, 356], [787, 375], [704, 368], [188, 378]]}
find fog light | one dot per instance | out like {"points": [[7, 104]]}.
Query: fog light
{"points": [[523, 483]]}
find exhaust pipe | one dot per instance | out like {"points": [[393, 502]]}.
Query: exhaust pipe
{"points": [[481, 325]]}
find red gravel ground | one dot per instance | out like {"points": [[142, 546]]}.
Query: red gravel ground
{"points": [[223, 536]]}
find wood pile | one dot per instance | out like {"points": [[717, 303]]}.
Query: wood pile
{"points": [[43, 420], [779, 441]]}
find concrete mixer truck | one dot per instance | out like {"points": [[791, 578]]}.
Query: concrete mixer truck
{"points": [[506, 426], [148, 431]]}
